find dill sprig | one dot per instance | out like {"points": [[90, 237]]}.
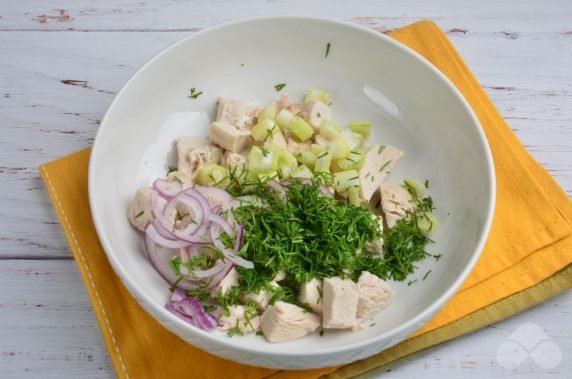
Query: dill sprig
{"points": [[307, 234]]}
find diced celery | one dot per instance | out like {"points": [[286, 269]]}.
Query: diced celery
{"points": [[286, 161], [317, 94], [301, 129], [317, 149], [427, 223], [302, 171], [263, 129], [268, 113], [329, 129], [211, 175], [358, 138], [263, 177], [322, 141], [262, 161], [350, 138], [306, 158], [354, 161], [344, 180], [415, 186], [362, 127], [353, 196], [323, 162], [339, 148], [284, 118]]}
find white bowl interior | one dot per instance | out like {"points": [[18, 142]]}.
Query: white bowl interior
{"points": [[370, 77]]}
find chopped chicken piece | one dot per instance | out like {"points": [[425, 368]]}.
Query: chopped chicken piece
{"points": [[185, 179], [395, 202], [311, 294], [376, 246], [285, 322], [277, 139], [315, 112], [374, 295], [285, 103], [379, 161], [140, 211], [195, 153], [238, 113], [262, 298], [247, 321], [294, 146], [229, 137], [229, 281], [230, 160], [340, 298], [280, 275]]}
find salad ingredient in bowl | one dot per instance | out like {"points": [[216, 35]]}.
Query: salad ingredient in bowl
{"points": [[282, 223]]}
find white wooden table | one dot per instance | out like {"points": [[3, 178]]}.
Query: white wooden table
{"points": [[62, 62]]}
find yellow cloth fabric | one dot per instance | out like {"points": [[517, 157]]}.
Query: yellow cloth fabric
{"points": [[524, 262]]}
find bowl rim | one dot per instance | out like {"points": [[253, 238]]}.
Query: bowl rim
{"points": [[415, 322]]}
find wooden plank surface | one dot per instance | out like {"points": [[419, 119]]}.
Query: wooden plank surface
{"points": [[62, 63]]}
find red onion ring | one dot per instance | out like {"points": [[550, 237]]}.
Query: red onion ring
{"points": [[152, 233], [167, 188]]}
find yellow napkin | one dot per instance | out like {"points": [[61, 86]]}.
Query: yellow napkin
{"points": [[526, 259]]}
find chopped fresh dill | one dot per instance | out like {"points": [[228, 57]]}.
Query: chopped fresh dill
{"points": [[328, 47], [384, 166], [437, 257], [139, 215], [318, 114], [380, 149], [321, 332], [200, 293], [426, 274], [264, 151], [426, 183], [209, 307], [195, 93], [322, 155], [411, 282], [259, 333], [235, 330], [180, 216], [171, 169], [278, 87]]}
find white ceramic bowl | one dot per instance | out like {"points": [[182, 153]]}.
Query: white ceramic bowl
{"points": [[412, 105]]}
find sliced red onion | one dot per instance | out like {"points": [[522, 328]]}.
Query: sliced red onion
{"points": [[273, 184], [167, 188], [193, 308], [195, 207], [162, 231], [215, 196], [194, 251], [152, 233], [178, 295], [171, 308], [193, 192], [217, 278], [158, 203], [160, 257], [239, 238], [218, 220], [326, 191], [203, 274], [237, 260]]}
